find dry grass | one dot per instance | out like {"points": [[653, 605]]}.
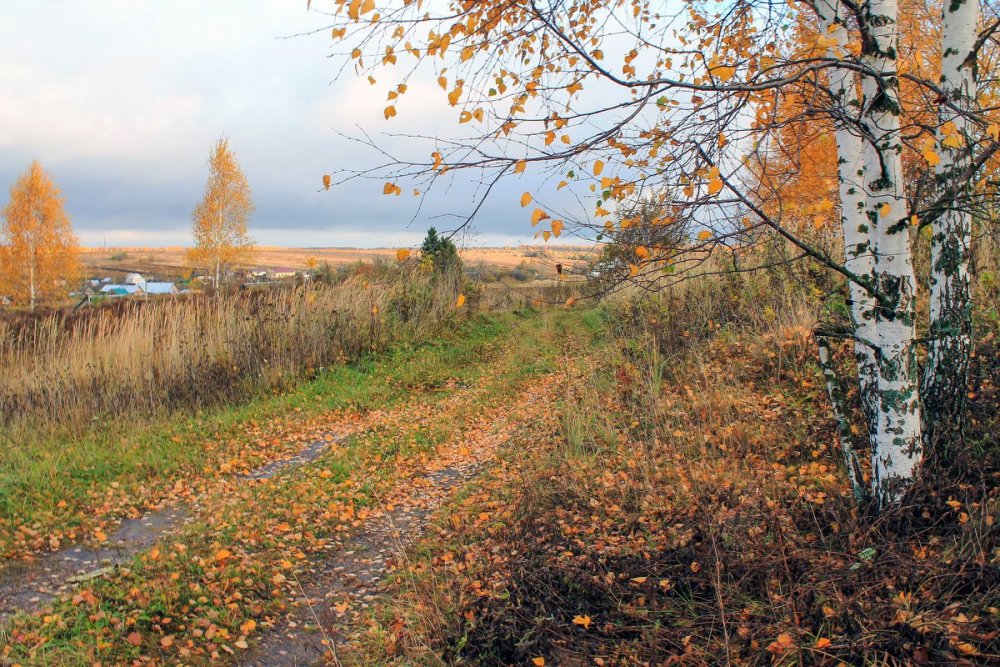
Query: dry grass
{"points": [[171, 261], [687, 507], [140, 359]]}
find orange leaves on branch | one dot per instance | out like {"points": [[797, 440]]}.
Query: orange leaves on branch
{"points": [[460, 301], [359, 8], [438, 159], [704, 235], [455, 95], [326, 181], [642, 252], [390, 111], [391, 189], [525, 199], [598, 167], [537, 216], [715, 186], [557, 227], [402, 255], [723, 72], [520, 166]]}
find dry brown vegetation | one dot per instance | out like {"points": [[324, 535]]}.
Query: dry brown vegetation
{"points": [[137, 358], [684, 505], [172, 260]]}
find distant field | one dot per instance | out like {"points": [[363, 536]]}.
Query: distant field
{"points": [[171, 261]]}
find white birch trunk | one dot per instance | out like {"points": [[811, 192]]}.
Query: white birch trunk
{"points": [[854, 221], [897, 453], [945, 379], [838, 406]]}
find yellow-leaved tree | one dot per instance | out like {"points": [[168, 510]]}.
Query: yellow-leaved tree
{"points": [[39, 254], [222, 242]]}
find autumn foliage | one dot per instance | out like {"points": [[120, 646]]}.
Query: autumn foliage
{"points": [[38, 250], [222, 242]]}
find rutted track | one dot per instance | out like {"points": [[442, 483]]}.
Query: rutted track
{"points": [[27, 585]]}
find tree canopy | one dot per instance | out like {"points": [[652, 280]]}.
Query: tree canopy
{"points": [[39, 254], [724, 103], [222, 241]]}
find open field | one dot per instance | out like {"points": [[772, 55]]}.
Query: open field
{"points": [[172, 262]]}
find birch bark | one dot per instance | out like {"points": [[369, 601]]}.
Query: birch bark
{"points": [[897, 453], [945, 378]]}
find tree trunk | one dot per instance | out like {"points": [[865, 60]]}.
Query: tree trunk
{"points": [[945, 379], [854, 222], [31, 282], [838, 405], [897, 454]]}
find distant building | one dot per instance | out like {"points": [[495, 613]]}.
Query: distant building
{"points": [[119, 290], [157, 288], [280, 273], [134, 279]]}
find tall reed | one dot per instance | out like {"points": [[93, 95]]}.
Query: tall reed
{"points": [[138, 359]]}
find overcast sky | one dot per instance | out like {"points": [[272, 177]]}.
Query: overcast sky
{"points": [[121, 101]]}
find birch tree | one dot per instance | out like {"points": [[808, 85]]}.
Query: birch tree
{"points": [[222, 241], [615, 99], [39, 254]]}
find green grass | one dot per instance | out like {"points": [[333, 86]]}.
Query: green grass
{"points": [[492, 357], [51, 481]]}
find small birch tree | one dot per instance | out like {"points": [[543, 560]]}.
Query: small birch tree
{"points": [[39, 254], [222, 241]]}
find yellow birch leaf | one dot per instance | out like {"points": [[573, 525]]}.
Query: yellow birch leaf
{"points": [[704, 235], [633, 270], [520, 166], [390, 111], [557, 227], [642, 252], [525, 199], [402, 255], [715, 186], [460, 301], [326, 181], [537, 216], [598, 167], [953, 140]]}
